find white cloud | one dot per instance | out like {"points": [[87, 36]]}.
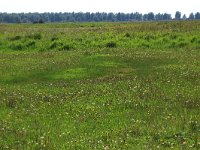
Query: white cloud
{"points": [[143, 6]]}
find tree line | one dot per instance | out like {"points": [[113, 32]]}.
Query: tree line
{"points": [[91, 17]]}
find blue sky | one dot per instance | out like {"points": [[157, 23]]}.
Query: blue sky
{"points": [[143, 6]]}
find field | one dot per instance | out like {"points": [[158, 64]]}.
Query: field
{"points": [[100, 85]]}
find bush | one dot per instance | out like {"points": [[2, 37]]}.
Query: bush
{"points": [[193, 40], [66, 47], [127, 35], [54, 38], [173, 36], [17, 47], [60, 46], [55, 45], [111, 45], [149, 37], [35, 36], [30, 44], [173, 44], [144, 45], [15, 38], [182, 44], [38, 21]]}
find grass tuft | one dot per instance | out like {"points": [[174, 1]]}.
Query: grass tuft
{"points": [[111, 44]]}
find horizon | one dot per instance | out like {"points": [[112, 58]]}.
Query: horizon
{"points": [[126, 6]]}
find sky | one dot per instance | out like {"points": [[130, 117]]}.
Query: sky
{"points": [[126, 6]]}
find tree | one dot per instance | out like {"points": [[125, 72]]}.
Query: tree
{"points": [[197, 15], [145, 17], [88, 17], [167, 16], [158, 16], [150, 16], [191, 16], [184, 17], [138, 16], [118, 16], [178, 15], [40, 20], [111, 17]]}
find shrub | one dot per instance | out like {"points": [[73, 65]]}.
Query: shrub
{"points": [[148, 37], [54, 38], [35, 36], [41, 21], [38, 21], [144, 45], [181, 39], [182, 44], [59, 46], [55, 45], [15, 38], [173, 36], [17, 47], [194, 39], [173, 45], [66, 47], [30, 44], [111, 45], [127, 35]]}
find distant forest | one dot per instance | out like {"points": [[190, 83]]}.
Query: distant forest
{"points": [[91, 17]]}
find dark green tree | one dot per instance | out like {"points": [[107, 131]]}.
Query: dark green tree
{"points": [[178, 15], [159, 16], [87, 17], [191, 16], [150, 16], [138, 16], [110, 17], [167, 16], [184, 17], [197, 15]]}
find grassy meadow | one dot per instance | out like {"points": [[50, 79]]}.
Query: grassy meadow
{"points": [[100, 86]]}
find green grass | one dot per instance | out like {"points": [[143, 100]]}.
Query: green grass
{"points": [[100, 85]]}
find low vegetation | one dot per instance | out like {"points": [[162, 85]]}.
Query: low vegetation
{"points": [[100, 85]]}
